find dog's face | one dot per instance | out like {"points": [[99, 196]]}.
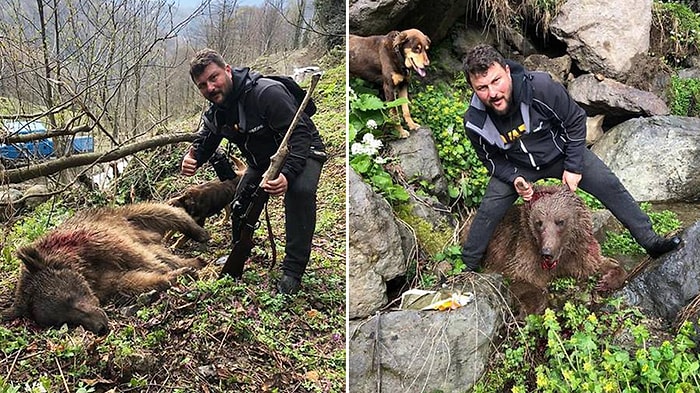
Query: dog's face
{"points": [[414, 45]]}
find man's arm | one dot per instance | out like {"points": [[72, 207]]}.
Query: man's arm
{"points": [[573, 119], [203, 147], [493, 159], [279, 107]]}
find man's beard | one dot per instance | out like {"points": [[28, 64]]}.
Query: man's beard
{"points": [[506, 108]]}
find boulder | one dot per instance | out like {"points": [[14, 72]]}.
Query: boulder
{"points": [[670, 282], [371, 17], [656, 158], [428, 351], [36, 195], [375, 252], [434, 18], [419, 161], [558, 67], [603, 36], [614, 99], [594, 129]]}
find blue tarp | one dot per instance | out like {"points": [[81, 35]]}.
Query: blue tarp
{"points": [[41, 148]]}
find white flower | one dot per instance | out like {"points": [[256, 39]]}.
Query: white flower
{"points": [[374, 144], [371, 124], [368, 146], [358, 148], [380, 160]]}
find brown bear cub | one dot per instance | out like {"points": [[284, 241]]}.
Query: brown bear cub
{"points": [[96, 255], [550, 236]]}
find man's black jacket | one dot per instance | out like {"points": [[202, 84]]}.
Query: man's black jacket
{"points": [[255, 117], [555, 128]]}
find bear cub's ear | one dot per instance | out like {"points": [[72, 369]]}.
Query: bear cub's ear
{"points": [[31, 258]]}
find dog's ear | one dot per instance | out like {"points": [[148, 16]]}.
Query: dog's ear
{"points": [[176, 202], [399, 39], [240, 165]]}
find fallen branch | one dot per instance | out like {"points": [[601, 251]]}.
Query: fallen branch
{"points": [[50, 167]]}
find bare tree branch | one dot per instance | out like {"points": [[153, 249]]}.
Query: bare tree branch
{"points": [[47, 168]]}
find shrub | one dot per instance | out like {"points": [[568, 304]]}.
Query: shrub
{"points": [[675, 32], [442, 109], [573, 350], [684, 96], [368, 118]]}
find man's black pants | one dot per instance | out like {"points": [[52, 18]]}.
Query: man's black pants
{"points": [[597, 179], [300, 214]]}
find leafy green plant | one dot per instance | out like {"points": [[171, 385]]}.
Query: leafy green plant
{"points": [[684, 96], [663, 222], [678, 31], [572, 351], [368, 115], [453, 255], [442, 109]]}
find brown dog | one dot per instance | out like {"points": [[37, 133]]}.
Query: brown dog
{"points": [[206, 200], [96, 255], [388, 60]]}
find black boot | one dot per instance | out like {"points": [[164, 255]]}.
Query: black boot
{"points": [[662, 246], [288, 285], [471, 264]]}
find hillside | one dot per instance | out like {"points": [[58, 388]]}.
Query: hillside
{"points": [[203, 334]]}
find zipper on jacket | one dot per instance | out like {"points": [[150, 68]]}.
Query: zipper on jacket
{"points": [[252, 156], [532, 159]]}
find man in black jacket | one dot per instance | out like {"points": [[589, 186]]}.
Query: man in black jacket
{"points": [[525, 127], [254, 113]]}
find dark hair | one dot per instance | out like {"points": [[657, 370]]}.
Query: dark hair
{"points": [[202, 59], [479, 59]]}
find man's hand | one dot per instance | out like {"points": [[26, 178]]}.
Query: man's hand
{"points": [[276, 187], [571, 179], [189, 164], [523, 188]]}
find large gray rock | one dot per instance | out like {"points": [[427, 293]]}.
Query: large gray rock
{"points": [[613, 98], [434, 18], [419, 161], [464, 38], [603, 36], [427, 351], [375, 253], [558, 67], [667, 285], [36, 195], [371, 17], [656, 158]]}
